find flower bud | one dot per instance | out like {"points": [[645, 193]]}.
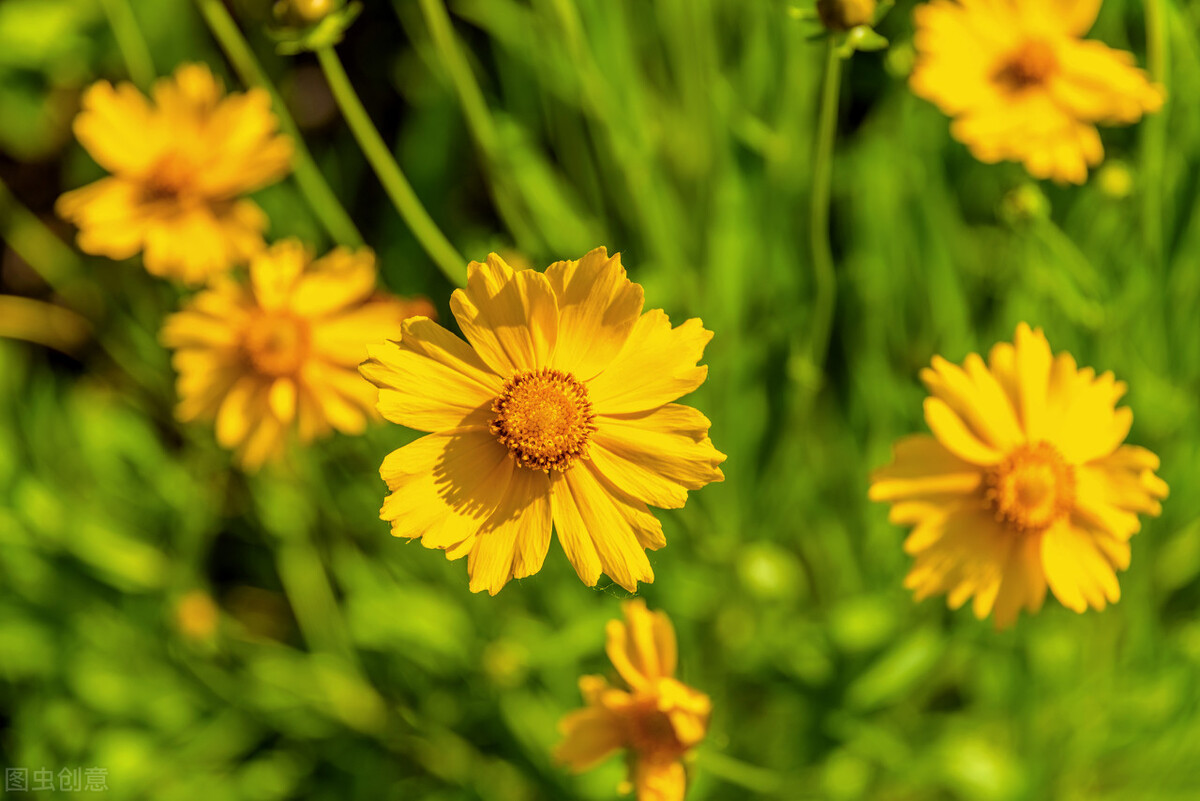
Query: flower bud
{"points": [[842, 15], [305, 12]]}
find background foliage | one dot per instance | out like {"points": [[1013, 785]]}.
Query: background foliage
{"points": [[343, 664]]}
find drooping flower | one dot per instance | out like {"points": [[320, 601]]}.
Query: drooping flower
{"points": [[1025, 483], [1023, 85], [656, 718], [558, 411], [179, 165], [281, 352]]}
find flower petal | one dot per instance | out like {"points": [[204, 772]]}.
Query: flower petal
{"points": [[1078, 571], [922, 467], [954, 434], [976, 396], [595, 532], [657, 456], [656, 366], [598, 307], [341, 279], [430, 380], [514, 540], [510, 318], [659, 779], [445, 486]]}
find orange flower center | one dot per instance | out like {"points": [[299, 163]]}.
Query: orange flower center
{"points": [[169, 177], [648, 730], [276, 343], [1032, 488], [544, 418], [1029, 66]]}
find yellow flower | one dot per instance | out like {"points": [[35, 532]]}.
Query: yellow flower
{"points": [[658, 719], [281, 352], [1025, 482], [178, 167], [558, 410], [1023, 85]]}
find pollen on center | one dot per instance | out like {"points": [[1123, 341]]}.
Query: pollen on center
{"points": [[1031, 65], [276, 344], [1032, 488], [544, 418]]}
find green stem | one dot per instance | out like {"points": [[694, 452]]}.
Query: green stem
{"points": [[312, 183], [822, 250], [750, 777], [394, 183], [130, 42], [44, 252], [1155, 141]]}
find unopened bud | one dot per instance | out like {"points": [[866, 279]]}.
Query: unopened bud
{"points": [[842, 15], [305, 12]]}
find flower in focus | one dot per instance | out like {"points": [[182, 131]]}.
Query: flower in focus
{"points": [[281, 352], [556, 410], [1023, 86], [1025, 482], [179, 166], [657, 719]]}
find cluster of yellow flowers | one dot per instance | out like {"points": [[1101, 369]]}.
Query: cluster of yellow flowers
{"points": [[558, 411]]}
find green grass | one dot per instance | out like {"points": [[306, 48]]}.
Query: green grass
{"points": [[679, 132]]}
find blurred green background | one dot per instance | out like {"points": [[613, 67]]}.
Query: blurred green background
{"points": [[200, 633]]}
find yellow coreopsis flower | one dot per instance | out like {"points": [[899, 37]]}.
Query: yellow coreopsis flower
{"points": [[179, 166], [1024, 483], [658, 719], [558, 412], [282, 352], [1023, 85]]}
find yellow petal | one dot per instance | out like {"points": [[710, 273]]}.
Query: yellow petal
{"points": [[1078, 573], [922, 467], [344, 337], [1024, 582], [642, 647], [1033, 380], [656, 366], [656, 456], [345, 397], [282, 399], [1071, 17], [659, 779], [513, 541], [954, 434], [590, 735], [275, 272], [598, 307], [975, 396], [430, 380], [445, 486], [113, 127], [341, 279], [594, 531], [240, 411], [510, 318]]}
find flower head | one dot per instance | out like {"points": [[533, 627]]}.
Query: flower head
{"points": [[1023, 85], [1025, 482], [281, 352], [179, 165], [657, 719], [556, 412]]}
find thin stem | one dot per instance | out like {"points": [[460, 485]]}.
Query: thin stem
{"points": [[394, 183], [43, 251], [822, 250], [750, 777], [1155, 141], [131, 43], [312, 183]]}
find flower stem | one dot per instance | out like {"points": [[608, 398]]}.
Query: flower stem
{"points": [[130, 42], [1155, 141], [822, 250], [312, 183], [444, 255]]}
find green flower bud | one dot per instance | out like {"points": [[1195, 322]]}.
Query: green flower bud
{"points": [[842, 15]]}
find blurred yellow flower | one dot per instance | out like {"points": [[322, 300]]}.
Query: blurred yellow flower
{"points": [[1023, 85], [559, 410], [282, 352], [1025, 482], [178, 167], [658, 719]]}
